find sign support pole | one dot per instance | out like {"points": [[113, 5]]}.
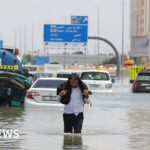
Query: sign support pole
{"points": [[65, 55], [84, 55]]}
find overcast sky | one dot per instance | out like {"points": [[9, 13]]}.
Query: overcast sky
{"points": [[18, 16]]}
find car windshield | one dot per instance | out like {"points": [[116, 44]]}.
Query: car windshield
{"points": [[143, 77], [65, 75], [48, 83], [62, 75], [43, 75], [95, 76]]}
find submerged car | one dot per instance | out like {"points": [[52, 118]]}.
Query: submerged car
{"points": [[142, 82], [96, 80], [43, 92]]}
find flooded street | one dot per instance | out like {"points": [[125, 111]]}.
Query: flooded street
{"points": [[116, 121], [48, 47]]}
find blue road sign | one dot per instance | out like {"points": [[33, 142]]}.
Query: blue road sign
{"points": [[65, 33], [40, 60], [80, 20], [1, 43]]}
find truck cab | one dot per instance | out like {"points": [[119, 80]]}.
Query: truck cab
{"points": [[13, 83]]}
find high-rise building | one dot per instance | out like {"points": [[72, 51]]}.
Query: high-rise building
{"points": [[140, 30]]}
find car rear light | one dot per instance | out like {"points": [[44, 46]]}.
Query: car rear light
{"points": [[134, 85], [31, 94], [109, 85]]}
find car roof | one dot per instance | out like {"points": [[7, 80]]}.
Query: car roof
{"points": [[104, 71], [80, 71], [55, 79], [40, 72], [69, 71], [51, 78]]}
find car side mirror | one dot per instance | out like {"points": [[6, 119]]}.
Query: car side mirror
{"points": [[113, 80], [25, 72], [90, 92]]}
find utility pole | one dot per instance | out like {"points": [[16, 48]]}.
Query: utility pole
{"points": [[15, 38], [64, 19], [122, 62], [24, 39], [20, 40], [98, 31], [32, 38]]}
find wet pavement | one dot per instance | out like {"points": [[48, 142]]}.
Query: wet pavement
{"points": [[116, 121]]}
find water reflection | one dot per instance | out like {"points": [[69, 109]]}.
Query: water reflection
{"points": [[73, 141], [139, 121], [117, 121], [10, 119]]}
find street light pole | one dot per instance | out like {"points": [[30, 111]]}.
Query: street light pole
{"points": [[32, 38], [64, 18], [20, 41], [98, 31], [24, 39], [15, 38], [122, 62]]}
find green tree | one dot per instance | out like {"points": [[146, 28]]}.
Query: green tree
{"points": [[112, 60]]}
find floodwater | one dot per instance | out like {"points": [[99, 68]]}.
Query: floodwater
{"points": [[116, 121]]}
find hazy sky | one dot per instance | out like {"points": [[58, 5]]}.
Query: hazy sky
{"points": [[18, 16]]}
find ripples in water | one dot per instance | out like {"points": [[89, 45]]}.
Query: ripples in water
{"points": [[117, 121]]}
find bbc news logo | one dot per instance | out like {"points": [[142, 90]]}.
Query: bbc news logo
{"points": [[9, 133]]}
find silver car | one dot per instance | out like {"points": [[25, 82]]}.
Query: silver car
{"points": [[43, 92]]}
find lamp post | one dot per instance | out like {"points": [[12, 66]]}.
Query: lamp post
{"points": [[20, 40], [15, 37], [122, 62], [64, 19], [98, 31], [32, 38], [24, 29]]}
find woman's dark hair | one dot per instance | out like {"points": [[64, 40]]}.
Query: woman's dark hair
{"points": [[75, 76], [66, 86]]}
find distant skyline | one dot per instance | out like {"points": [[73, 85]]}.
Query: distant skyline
{"points": [[19, 16]]}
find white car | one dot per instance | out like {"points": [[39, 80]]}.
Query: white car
{"points": [[96, 80], [66, 73], [35, 75], [43, 92]]}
